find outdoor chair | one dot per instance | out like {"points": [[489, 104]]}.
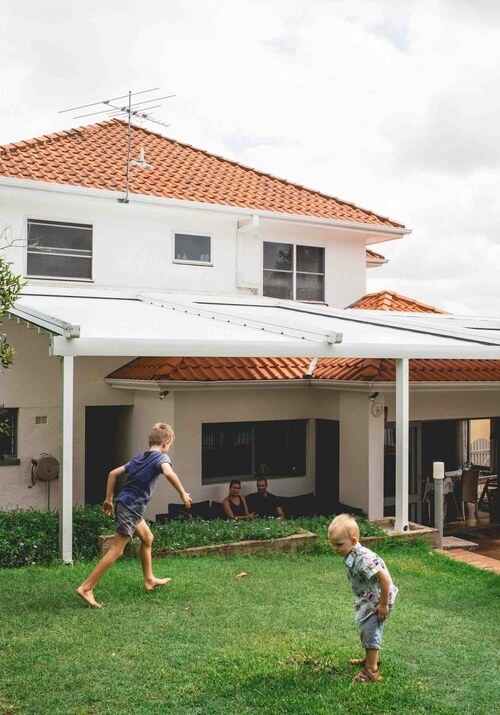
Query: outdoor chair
{"points": [[469, 483]]}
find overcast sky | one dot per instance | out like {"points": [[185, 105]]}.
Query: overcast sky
{"points": [[389, 104]]}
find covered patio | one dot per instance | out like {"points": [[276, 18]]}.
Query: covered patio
{"points": [[86, 323]]}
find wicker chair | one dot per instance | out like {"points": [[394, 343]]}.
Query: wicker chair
{"points": [[469, 484]]}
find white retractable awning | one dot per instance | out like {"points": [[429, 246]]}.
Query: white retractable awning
{"points": [[99, 322]]}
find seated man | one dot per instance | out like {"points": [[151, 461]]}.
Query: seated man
{"points": [[263, 503]]}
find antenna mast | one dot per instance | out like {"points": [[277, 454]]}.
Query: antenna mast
{"points": [[130, 110]]}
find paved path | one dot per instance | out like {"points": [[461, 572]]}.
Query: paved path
{"points": [[472, 558]]}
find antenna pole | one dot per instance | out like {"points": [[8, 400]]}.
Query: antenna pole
{"points": [[125, 200]]}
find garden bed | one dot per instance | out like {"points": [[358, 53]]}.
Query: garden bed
{"points": [[415, 531], [303, 541]]}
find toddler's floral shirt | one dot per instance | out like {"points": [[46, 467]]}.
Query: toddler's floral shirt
{"points": [[362, 566]]}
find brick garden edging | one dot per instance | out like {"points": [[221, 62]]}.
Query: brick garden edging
{"points": [[286, 544], [303, 541], [416, 531]]}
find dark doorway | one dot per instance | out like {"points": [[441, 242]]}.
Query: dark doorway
{"points": [[106, 434], [414, 470], [327, 464]]}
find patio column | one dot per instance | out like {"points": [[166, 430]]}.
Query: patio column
{"points": [[66, 452], [402, 441]]}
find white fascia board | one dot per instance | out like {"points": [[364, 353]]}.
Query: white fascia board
{"points": [[378, 234], [292, 383], [248, 348], [189, 385], [389, 387]]}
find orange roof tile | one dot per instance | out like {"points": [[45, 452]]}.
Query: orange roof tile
{"points": [[192, 369], [420, 370], [373, 255], [95, 157], [388, 300], [204, 369]]}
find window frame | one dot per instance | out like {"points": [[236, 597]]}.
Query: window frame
{"points": [[187, 262], [13, 456], [255, 450], [294, 271], [60, 223]]}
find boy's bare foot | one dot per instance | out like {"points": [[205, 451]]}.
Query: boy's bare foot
{"points": [[153, 582], [88, 596]]}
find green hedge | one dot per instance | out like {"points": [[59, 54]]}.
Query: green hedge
{"points": [[31, 537]]}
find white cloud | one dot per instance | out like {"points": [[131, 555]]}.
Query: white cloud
{"points": [[389, 105]]}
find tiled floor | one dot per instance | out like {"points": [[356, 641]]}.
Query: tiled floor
{"points": [[487, 539], [474, 559]]}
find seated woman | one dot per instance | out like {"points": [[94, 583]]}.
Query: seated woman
{"points": [[234, 505]]}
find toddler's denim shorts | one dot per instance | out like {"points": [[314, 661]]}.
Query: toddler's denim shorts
{"points": [[370, 631], [125, 520]]}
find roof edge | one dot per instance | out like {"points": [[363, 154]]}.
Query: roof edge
{"points": [[391, 231]]}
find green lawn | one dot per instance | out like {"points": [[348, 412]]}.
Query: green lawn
{"points": [[275, 642]]}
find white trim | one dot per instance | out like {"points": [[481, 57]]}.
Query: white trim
{"points": [[390, 232], [66, 450], [402, 443], [249, 348]]}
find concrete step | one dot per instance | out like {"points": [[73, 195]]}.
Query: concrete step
{"points": [[454, 542]]}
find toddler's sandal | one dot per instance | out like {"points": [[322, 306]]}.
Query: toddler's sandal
{"points": [[366, 676]]}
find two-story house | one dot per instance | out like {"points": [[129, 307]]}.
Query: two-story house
{"points": [[194, 290]]}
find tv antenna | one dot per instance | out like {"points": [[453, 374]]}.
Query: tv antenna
{"points": [[132, 110]]}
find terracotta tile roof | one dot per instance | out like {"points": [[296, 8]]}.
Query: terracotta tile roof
{"points": [[211, 369], [374, 256], [420, 370], [192, 369], [388, 300], [95, 157]]}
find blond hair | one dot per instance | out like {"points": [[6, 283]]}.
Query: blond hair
{"points": [[344, 525], [160, 433]]}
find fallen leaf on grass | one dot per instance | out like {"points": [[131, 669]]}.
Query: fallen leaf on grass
{"points": [[241, 574]]}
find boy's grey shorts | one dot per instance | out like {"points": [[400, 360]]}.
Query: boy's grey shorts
{"points": [[126, 521], [370, 631]]}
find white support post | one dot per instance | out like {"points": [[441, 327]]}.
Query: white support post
{"points": [[402, 442], [66, 450]]}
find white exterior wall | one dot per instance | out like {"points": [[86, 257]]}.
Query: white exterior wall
{"points": [[32, 384], [133, 244], [361, 455]]}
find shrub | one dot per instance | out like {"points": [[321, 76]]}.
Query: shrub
{"points": [[29, 537]]}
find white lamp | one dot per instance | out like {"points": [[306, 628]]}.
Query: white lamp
{"points": [[438, 470]]}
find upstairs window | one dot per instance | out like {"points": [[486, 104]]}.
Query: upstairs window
{"points": [[59, 250], [191, 248], [294, 272]]}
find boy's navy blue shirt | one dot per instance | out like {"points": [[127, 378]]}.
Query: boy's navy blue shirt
{"points": [[143, 473]]}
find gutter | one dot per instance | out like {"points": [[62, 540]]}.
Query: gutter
{"points": [[391, 232]]}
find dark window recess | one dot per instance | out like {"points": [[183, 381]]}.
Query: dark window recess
{"points": [[59, 250], [195, 249], [249, 449], [294, 272], [8, 433]]}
